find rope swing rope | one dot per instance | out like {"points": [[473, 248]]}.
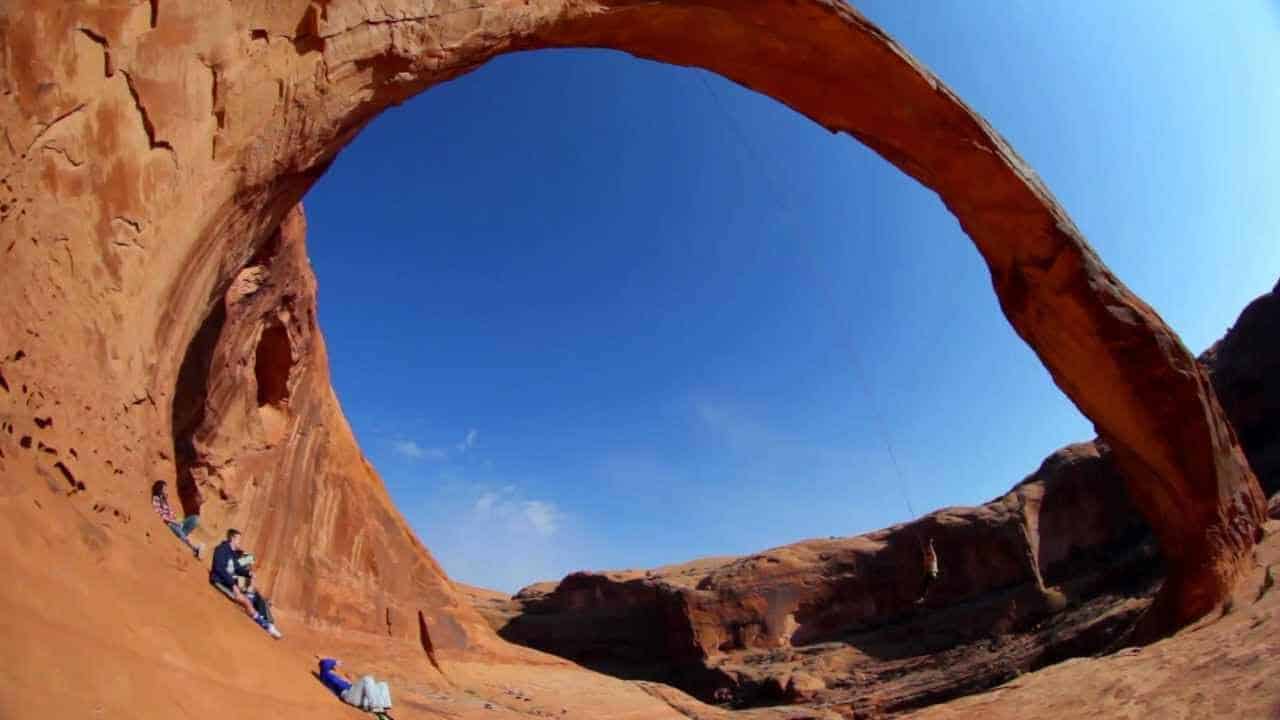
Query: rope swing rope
{"points": [[860, 376]]}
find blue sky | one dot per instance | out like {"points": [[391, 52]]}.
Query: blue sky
{"points": [[586, 311]]}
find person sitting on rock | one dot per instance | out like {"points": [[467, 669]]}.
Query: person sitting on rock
{"points": [[244, 576], [366, 694], [222, 575], [160, 503]]}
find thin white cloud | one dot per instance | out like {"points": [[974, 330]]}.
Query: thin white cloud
{"points": [[484, 505], [469, 441], [409, 449], [768, 455], [472, 529], [414, 451], [515, 514], [544, 517], [789, 454], [736, 428]]}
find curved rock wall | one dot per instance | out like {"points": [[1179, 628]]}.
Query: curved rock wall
{"points": [[1245, 368], [262, 445]]}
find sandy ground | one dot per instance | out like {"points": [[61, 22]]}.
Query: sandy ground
{"points": [[106, 616]]}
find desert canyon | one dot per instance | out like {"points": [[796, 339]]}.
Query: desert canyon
{"points": [[159, 320]]}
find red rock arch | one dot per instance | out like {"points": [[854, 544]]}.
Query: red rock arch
{"points": [[166, 141]]}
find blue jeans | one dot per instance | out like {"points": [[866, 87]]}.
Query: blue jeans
{"points": [[183, 529]]}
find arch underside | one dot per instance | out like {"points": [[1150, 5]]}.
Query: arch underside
{"points": [[1108, 351]]}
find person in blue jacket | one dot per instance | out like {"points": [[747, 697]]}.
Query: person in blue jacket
{"points": [[222, 574], [366, 694], [331, 678]]}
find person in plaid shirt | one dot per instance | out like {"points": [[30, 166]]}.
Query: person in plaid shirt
{"points": [[160, 503]]}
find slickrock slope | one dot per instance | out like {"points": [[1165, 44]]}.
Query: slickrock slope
{"points": [[1223, 667], [1059, 567]]}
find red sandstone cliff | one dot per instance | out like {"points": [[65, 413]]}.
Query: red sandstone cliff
{"points": [[260, 438], [1245, 368]]}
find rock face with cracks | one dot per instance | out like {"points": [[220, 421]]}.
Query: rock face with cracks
{"points": [[152, 151]]}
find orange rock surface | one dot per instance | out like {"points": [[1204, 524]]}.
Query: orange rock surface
{"points": [[1244, 366], [158, 323], [1221, 667]]}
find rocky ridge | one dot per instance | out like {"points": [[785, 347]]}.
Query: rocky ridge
{"points": [[1061, 566]]}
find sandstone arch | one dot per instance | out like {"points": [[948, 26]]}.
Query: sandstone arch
{"points": [[151, 148]]}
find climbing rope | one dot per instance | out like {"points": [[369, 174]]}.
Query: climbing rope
{"points": [[859, 371]]}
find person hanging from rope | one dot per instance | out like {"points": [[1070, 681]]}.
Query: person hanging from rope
{"points": [[930, 569]]}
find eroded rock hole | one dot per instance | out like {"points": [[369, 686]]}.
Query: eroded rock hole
{"points": [[190, 396], [68, 476], [273, 365]]}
